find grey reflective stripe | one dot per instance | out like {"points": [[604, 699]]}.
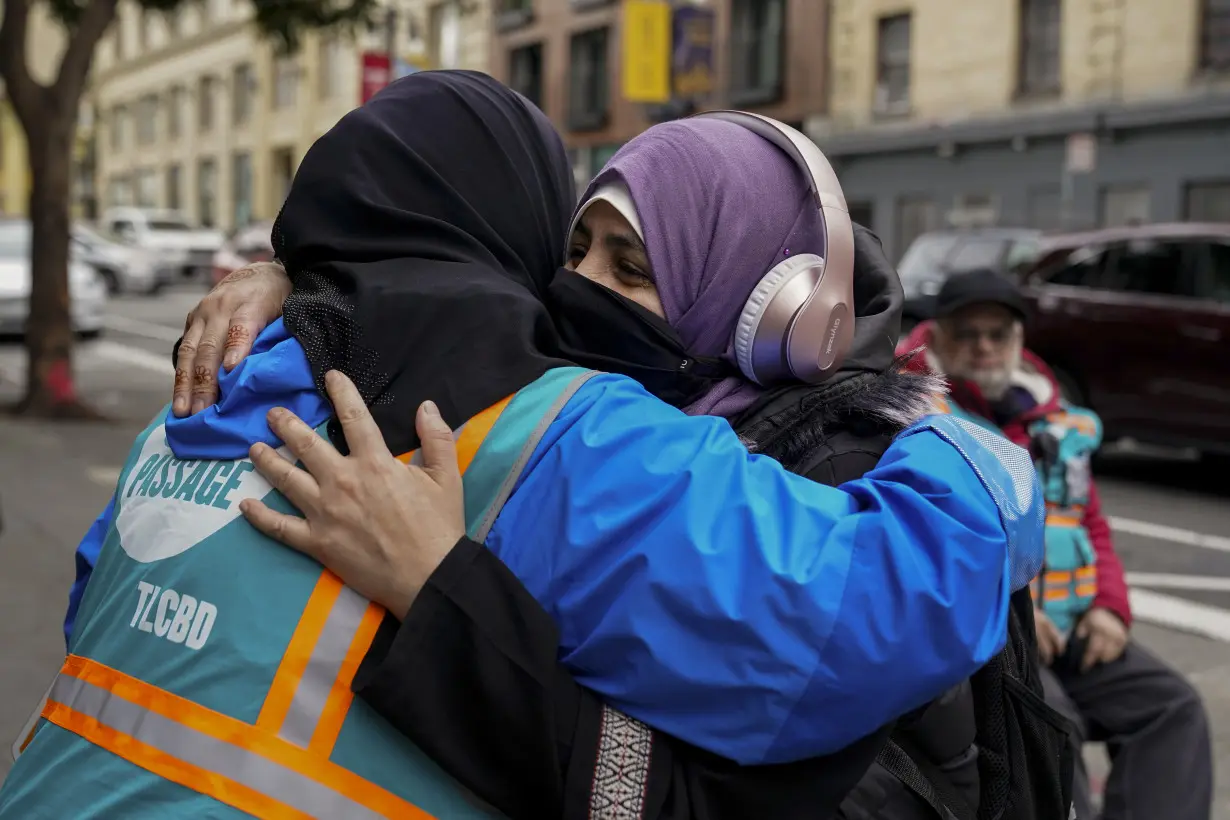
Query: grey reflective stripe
{"points": [[323, 667], [527, 452], [205, 752]]}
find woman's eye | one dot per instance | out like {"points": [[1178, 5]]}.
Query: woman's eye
{"points": [[576, 253], [635, 276]]}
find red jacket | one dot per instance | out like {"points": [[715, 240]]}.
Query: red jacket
{"points": [[1112, 586]]}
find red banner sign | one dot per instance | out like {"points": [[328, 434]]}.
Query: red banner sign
{"points": [[376, 73]]}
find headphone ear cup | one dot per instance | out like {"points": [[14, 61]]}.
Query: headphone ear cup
{"points": [[755, 307]]}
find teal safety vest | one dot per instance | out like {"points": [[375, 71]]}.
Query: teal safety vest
{"points": [[1062, 444], [210, 671]]}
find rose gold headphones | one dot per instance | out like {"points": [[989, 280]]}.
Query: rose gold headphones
{"points": [[798, 323]]}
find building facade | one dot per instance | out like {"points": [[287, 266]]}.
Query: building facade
{"points": [[566, 55], [1054, 114], [196, 112]]}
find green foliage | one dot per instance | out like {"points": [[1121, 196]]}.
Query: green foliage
{"points": [[283, 21]]}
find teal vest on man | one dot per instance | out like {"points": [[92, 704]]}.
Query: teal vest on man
{"points": [[1062, 444], [209, 673]]}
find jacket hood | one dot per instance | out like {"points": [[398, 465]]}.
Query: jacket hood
{"points": [[878, 300]]}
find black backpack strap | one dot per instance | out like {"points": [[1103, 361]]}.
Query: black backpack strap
{"points": [[925, 779]]}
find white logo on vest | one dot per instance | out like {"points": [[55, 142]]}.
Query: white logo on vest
{"points": [[169, 505]]}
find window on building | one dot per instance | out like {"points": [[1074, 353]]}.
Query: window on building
{"points": [[518, 6], [285, 82], [118, 127], [147, 188], [174, 24], [589, 80], [147, 120], [525, 72], [143, 26], [892, 94], [1044, 208], [916, 215], [600, 155], [205, 103], [119, 191], [241, 189], [329, 66], [1208, 202], [243, 88], [283, 172], [862, 213], [1215, 35], [444, 36], [174, 192], [175, 112], [757, 49], [1038, 46], [207, 193], [1125, 205]]}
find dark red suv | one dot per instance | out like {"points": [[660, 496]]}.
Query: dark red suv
{"points": [[1136, 323]]}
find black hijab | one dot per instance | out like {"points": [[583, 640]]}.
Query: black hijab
{"points": [[420, 234]]}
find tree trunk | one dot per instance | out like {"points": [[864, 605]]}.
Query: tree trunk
{"points": [[50, 386]]}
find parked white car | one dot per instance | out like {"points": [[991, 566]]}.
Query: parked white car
{"points": [[125, 269], [168, 235], [87, 290]]}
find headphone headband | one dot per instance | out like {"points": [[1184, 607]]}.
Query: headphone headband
{"points": [[798, 324]]}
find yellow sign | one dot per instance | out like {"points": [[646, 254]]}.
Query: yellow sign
{"points": [[647, 51]]}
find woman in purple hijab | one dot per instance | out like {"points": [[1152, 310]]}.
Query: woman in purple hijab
{"points": [[684, 221]]}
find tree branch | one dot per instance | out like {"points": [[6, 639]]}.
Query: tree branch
{"points": [[22, 89], [79, 54]]}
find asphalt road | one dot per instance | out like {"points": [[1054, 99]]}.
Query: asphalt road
{"points": [[1170, 515]]}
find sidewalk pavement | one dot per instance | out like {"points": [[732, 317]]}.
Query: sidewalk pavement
{"points": [[56, 477]]}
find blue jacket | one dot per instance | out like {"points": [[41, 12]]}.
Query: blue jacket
{"points": [[708, 592]]}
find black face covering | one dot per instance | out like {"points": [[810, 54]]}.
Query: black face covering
{"points": [[602, 330]]}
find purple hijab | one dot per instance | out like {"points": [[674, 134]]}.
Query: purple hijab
{"points": [[719, 207]]}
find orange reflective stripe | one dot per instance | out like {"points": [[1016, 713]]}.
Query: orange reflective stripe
{"points": [[1086, 572], [1055, 595], [1060, 520], [258, 740], [1086, 590], [471, 435], [340, 696], [170, 768], [1058, 577], [295, 660]]}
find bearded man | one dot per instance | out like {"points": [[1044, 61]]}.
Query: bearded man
{"points": [[1111, 688]]}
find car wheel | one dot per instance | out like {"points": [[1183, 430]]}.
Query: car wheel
{"points": [[1069, 388]]}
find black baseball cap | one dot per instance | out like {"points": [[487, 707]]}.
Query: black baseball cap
{"points": [[976, 287]]}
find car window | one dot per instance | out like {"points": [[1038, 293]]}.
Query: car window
{"points": [[168, 225], [925, 257], [1021, 255], [1081, 268], [977, 253], [1213, 277], [1150, 267]]}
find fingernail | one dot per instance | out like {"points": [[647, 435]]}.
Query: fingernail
{"points": [[331, 377], [229, 361], [244, 506], [429, 407], [178, 406], [255, 450], [276, 413]]}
